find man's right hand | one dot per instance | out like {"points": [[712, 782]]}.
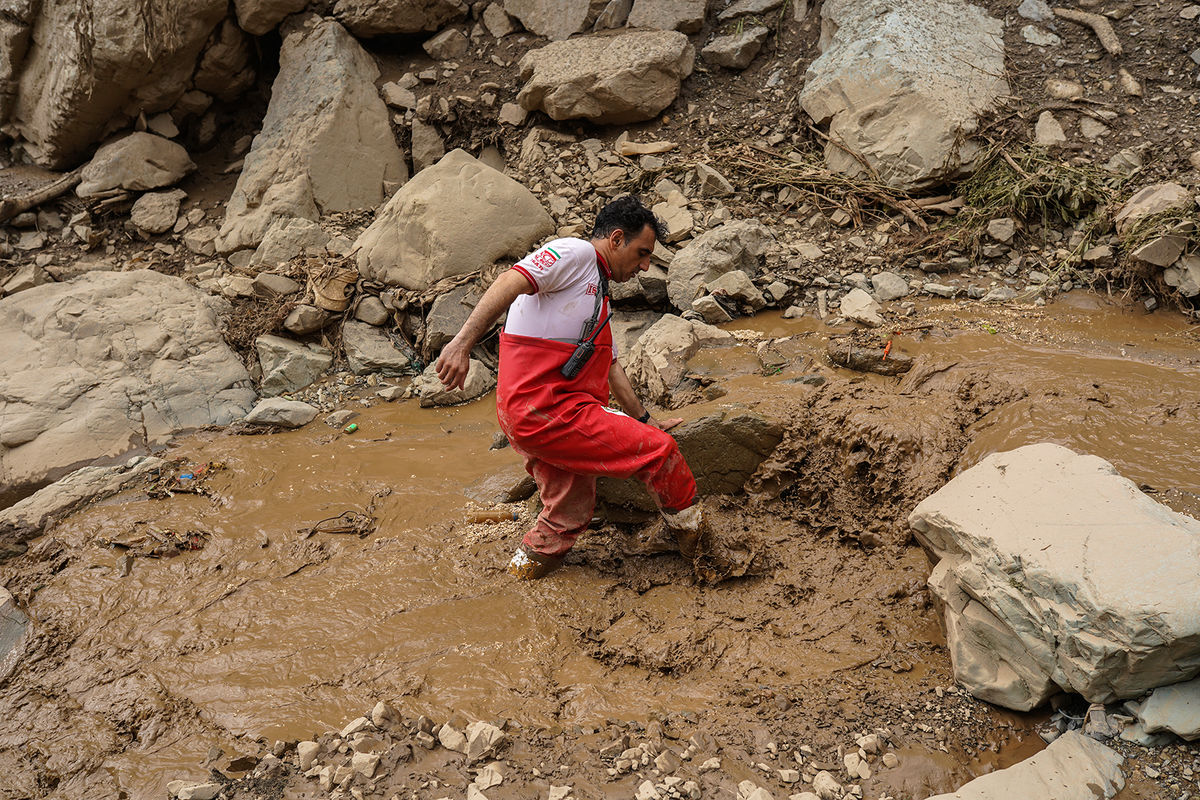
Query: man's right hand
{"points": [[453, 364]]}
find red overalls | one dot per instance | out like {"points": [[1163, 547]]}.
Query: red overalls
{"points": [[569, 437]]}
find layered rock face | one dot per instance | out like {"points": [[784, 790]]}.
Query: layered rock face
{"points": [[104, 364], [902, 84], [607, 79], [367, 18], [1057, 574], [326, 144], [78, 71], [452, 218]]}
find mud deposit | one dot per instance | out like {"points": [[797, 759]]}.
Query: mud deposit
{"points": [[149, 669]]}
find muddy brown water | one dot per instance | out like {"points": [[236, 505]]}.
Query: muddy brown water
{"points": [[267, 632]]}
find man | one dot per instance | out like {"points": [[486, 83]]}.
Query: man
{"points": [[557, 303]]}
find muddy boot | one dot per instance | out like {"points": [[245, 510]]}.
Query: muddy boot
{"points": [[527, 565], [688, 528]]}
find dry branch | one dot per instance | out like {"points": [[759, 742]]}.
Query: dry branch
{"points": [[1102, 27], [11, 206]]}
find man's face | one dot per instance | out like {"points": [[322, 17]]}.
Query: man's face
{"points": [[630, 255]]}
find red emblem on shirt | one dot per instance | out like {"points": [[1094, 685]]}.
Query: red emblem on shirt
{"points": [[543, 259], [592, 289]]}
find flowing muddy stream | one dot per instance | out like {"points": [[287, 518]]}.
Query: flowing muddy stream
{"points": [[142, 667]]}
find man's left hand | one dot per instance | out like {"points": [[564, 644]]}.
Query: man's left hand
{"points": [[665, 424]]}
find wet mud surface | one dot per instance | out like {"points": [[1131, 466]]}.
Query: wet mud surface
{"points": [[142, 670]]}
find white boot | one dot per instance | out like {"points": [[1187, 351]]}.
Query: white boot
{"points": [[687, 526]]}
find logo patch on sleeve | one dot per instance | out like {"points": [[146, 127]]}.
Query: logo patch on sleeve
{"points": [[543, 259]]}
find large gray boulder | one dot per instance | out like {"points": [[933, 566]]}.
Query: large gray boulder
{"points": [[136, 162], [722, 449], [70, 90], [450, 219], [902, 84], [282, 413], [429, 389], [326, 143], [447, 315], [14, 634], [368, 349], [737, 245], [658, 362], [609, 80], [1073, 767], [1057, 574], [367, 18], [554, 19], [105, 364]]}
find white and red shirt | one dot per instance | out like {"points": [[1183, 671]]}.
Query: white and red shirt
{"points": [[566, 280]]}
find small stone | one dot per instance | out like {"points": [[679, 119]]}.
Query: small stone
{"points": [[1048, 132], [364, 764], [710, 765], [713, 312], [450, 43], [452, 739], [1000, 294], [338, 419], [306, 319], [1036, 36], [281, 412], [199, 791], [306, 753], [355, 725], [939, 289], [1061, 89], [889, 286], [712, 183], [498, 23], [666, 762], [398, 97], [1092, 129], [1002, 229], [789, 775], [891, 760], [826, 787], [482, 739], [426, 740], [860, 307], [372, 311], [383, 715], [270, 285], [1162, 251], [1129, 84], [559, 793]]}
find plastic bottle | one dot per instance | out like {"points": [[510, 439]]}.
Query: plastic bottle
{"points": [[351, 428], [496, 515]]}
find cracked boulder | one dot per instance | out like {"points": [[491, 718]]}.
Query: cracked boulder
{"points": [[326, 143], [902, 85], [1057, 574], [609, 80], [106, 364], [64, 92]]}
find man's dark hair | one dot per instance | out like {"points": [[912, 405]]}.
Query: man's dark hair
{"points": [[627, 214]]}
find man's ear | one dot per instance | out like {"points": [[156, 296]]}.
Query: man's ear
{"points": [[617, 237]]}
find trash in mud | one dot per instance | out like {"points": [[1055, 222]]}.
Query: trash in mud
{"points": [[147, 542], [349, 521], [492, 515], [177, 479], [721, 557], [880, 360]]}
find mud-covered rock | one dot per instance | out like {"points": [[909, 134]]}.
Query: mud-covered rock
{"points": [[1073, 767], [73, 89], [844, 353], [1152, 200], [104, 364], [902, 83], [367, 18], [1174, 708], [554, 19], [685, 16], [658, 361], [368, 349], [282, 412], [737, 245], [450, 219], [1056, 573], [30, 517], [137, 162], [226, 68], [428, 387], [609, 80], [722, 449], [736, 50], [260, 16], [156, 212], [326, 143], [14, 628], [289, 366]]}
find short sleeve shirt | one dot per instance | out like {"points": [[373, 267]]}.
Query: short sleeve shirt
{"points": [[566, 280]]}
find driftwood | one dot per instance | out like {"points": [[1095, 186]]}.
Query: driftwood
{"points": [[11, 206], [1102, 27]]}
